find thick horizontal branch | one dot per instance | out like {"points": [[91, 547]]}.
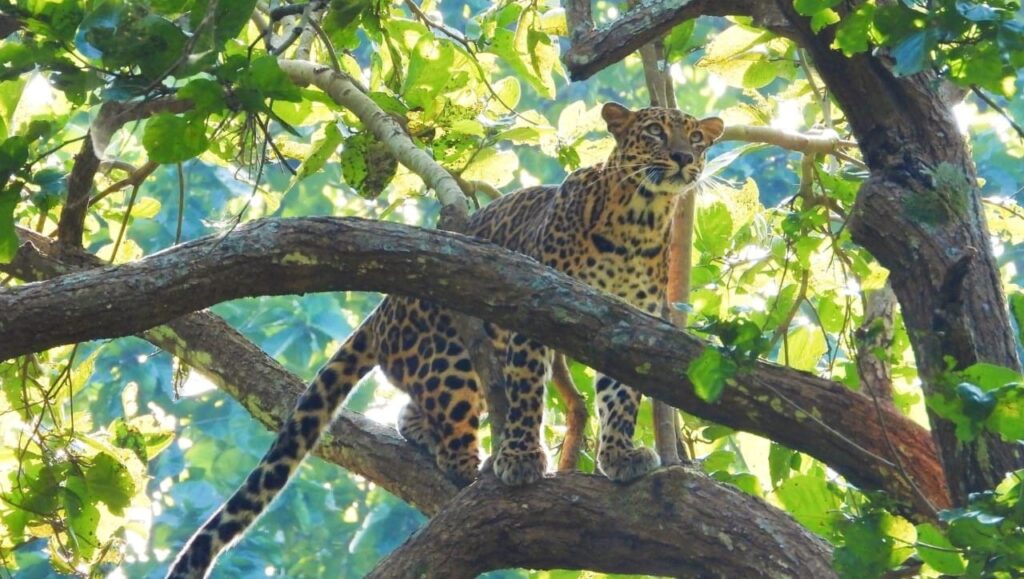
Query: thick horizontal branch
{"points": [[273, 257], [676, 523], [239, 368]]}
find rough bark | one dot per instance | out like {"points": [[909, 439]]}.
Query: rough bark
{"points": [[723, 523], [72, 217], [920, 215], [874, 338], [242, 370], [593, 50], [577, 521], [273, 257]]}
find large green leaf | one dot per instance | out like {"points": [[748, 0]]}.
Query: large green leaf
{"points": [[709, 373], [808, 498], [935, 549], [172, 139]]}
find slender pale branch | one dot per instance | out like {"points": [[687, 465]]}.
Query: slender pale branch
{"points": [[344, 91]]}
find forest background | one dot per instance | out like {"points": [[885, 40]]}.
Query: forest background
{"points": [[113, 451]]}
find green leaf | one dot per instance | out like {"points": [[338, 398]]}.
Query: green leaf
{"points": [[429, 69], [989, 376], [1007, 418], [870, 547], [110, 482], [912, 53], [366, 165], [679, 42], [82, 516], [226, 23], [822, 19], [780, 461], [804, 346], [709, 373], [322, 150], [172, 139], [266, 77], [520, 135], [530, 53], [8, 238], [713, 229], [852, 33], [493, 166], [207, 96], [760, 73], [809, 500], [935, 549], [718, 460], [812, 7], [157, 44], [10, 93]]}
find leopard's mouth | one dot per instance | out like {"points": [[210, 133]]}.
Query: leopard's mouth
{"points": [[665, 178]]}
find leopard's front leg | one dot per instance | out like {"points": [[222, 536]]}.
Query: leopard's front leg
{"points": [[521, 458], [617, 406]]}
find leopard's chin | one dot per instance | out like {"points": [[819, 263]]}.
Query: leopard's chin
{"points": [[676, 184]]}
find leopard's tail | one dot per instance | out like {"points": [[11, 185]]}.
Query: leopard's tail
{"points": [[311, 416]]}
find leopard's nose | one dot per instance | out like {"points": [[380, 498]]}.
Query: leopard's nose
{"points": [[683, 159]]}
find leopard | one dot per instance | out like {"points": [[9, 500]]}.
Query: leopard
{"points": [[606, 225]]}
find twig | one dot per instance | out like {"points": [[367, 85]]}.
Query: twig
{"points": [[181, 203], [575, 415], [985, 98], [666, 420], [133, 180], [124, 223]]}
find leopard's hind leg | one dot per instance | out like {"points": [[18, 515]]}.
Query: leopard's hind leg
{"points": [[423, 355]]}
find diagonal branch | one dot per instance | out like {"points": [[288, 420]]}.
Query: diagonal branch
{"points": [[268, 391], [594, 50], [272, 257]]}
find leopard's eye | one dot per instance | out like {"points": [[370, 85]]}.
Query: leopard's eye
{"points": [[697, 137], [655, 130]]}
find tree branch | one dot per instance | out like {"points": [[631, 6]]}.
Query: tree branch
{"points": [[273, 257], [243, 371], [690, 502], [594, 50], [347, 93], [678, 523]]}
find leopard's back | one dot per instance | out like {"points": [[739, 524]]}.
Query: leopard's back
{"points": [[604, 225]]}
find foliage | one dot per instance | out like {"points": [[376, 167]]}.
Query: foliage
{"points": [[971, 42], [982, 397], [115, 477]]}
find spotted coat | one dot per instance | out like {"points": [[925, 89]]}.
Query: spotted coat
{"points": [[606, 225]]}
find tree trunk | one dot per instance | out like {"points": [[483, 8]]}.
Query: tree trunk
{"points": [[920, 215]]}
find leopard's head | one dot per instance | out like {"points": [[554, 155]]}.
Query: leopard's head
{"points": [[663, 146]]}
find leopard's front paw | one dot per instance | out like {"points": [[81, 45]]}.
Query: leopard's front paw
{"points": [[520, 467], [627, 465]]}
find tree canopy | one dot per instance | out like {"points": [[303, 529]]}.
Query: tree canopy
{"points": [[848, 376]]}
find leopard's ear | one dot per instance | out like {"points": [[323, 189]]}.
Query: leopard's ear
{"points": [[713, 127], [617, 117]]}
